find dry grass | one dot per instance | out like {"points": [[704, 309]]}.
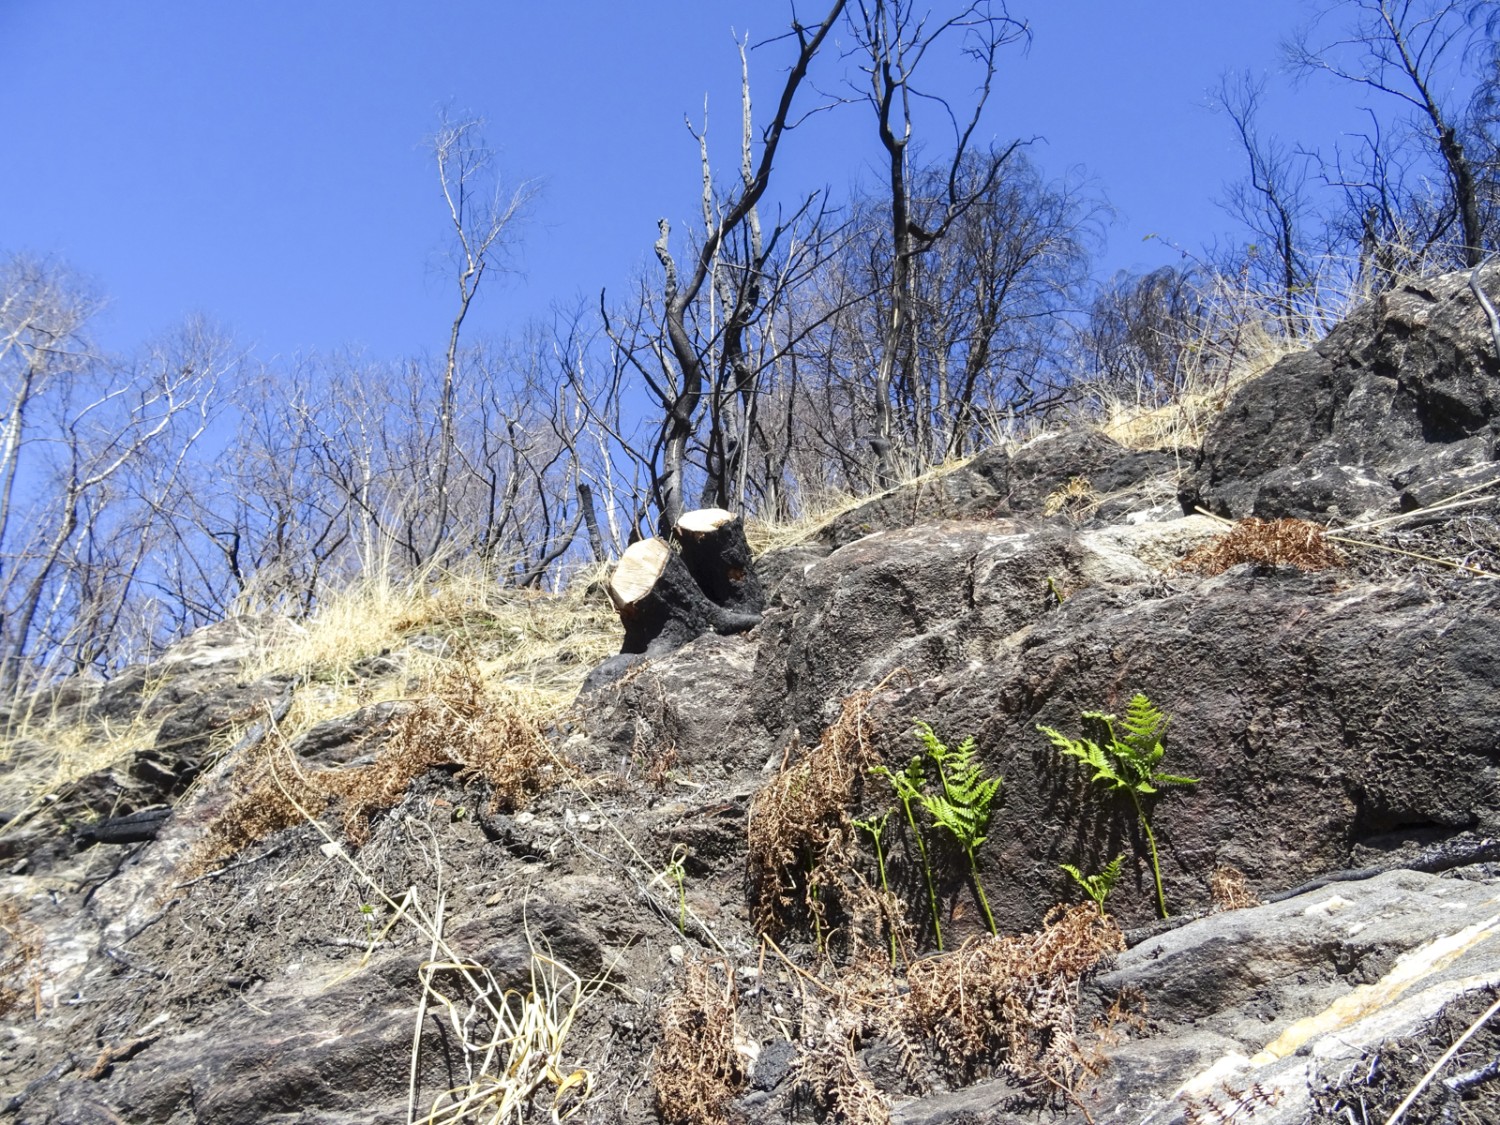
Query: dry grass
{"points": [[1015, 1000], [21, 969], [542, 643], [1283, 542], [491, 733], [513, 1044], [45, 748], [1075, 498], [699, 1065], [769, 535], [1229, 889]]}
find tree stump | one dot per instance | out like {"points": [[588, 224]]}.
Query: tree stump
{"points": [[666, 598], [718, 557]]}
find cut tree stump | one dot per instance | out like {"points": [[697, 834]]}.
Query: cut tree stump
{"points": [[666, 598], [718, 557]]}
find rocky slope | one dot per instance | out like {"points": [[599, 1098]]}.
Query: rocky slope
{"points": [[1331, 871]]}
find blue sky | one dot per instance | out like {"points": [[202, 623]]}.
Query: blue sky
{"points": [[263, 163]]}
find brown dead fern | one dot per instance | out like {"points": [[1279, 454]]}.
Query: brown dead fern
{"points": [[458, 721], [802, 843], [1014, 1000], [1283, 542], [853, 1010], [699, 1068]]}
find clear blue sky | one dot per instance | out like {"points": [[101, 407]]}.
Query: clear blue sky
{"points": [[262, 162]]}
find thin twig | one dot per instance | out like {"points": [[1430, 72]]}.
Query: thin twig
{"points": [[1484, 301], [1442, 1062], [1412, 555]]}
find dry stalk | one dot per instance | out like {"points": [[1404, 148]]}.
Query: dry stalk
{"points": [[512, 1045]]}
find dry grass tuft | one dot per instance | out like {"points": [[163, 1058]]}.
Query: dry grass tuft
{"points": [[1015, 999], [699, 1066], [21, 969], [493, 734], [1283, 542], [1230, 889], [490, 734], [1237, 344], [1074, 498], [45, 750], [771, 534], [802, 844], [544, 644]]}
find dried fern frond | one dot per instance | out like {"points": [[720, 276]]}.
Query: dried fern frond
{"points": [[1283, 542], [801, 837], [1013, 1000], [699, 1069]]}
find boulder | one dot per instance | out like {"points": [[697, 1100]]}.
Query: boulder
{"points": [[1398, 404]]}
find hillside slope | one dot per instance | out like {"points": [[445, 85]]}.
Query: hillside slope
{"points": [[692, 894]]}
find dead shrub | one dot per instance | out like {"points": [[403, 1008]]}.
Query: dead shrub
{"points": [[21, 969], [1283, 542], [699, 1068], [1015, 1000], [802, 843]]}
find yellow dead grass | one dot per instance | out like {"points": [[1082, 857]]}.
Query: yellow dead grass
{"points": [[45, 749]]}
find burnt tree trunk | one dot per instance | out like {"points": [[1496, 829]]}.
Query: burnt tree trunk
{"points": [[718, 557]]}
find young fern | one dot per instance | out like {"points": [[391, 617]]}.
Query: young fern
{"points": [[876, 828], [1129, 763], [907, 786], [963, 808], [1097, 887]]}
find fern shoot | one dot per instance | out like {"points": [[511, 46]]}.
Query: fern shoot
{"points": [[1097, 887], [907, 785], [876, 828], [1129, 764], [963, 808]]}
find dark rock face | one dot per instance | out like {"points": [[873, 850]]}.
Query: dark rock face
{"points": [[1399, 406]]}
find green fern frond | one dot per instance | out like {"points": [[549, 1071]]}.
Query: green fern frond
{"points": [[1144, 725], [1129, 763], [964, 806], [1097, 887]]}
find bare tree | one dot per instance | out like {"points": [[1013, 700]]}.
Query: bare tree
{"points": [[1408, 50], [96, 450], [895, 38], [1279, 264], [675, 359], [483, 213]]}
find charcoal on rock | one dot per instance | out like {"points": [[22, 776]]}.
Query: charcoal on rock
{"points": [[666, 597]]}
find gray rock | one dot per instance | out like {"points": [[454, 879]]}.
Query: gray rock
{"points": [[1404, 392]]}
